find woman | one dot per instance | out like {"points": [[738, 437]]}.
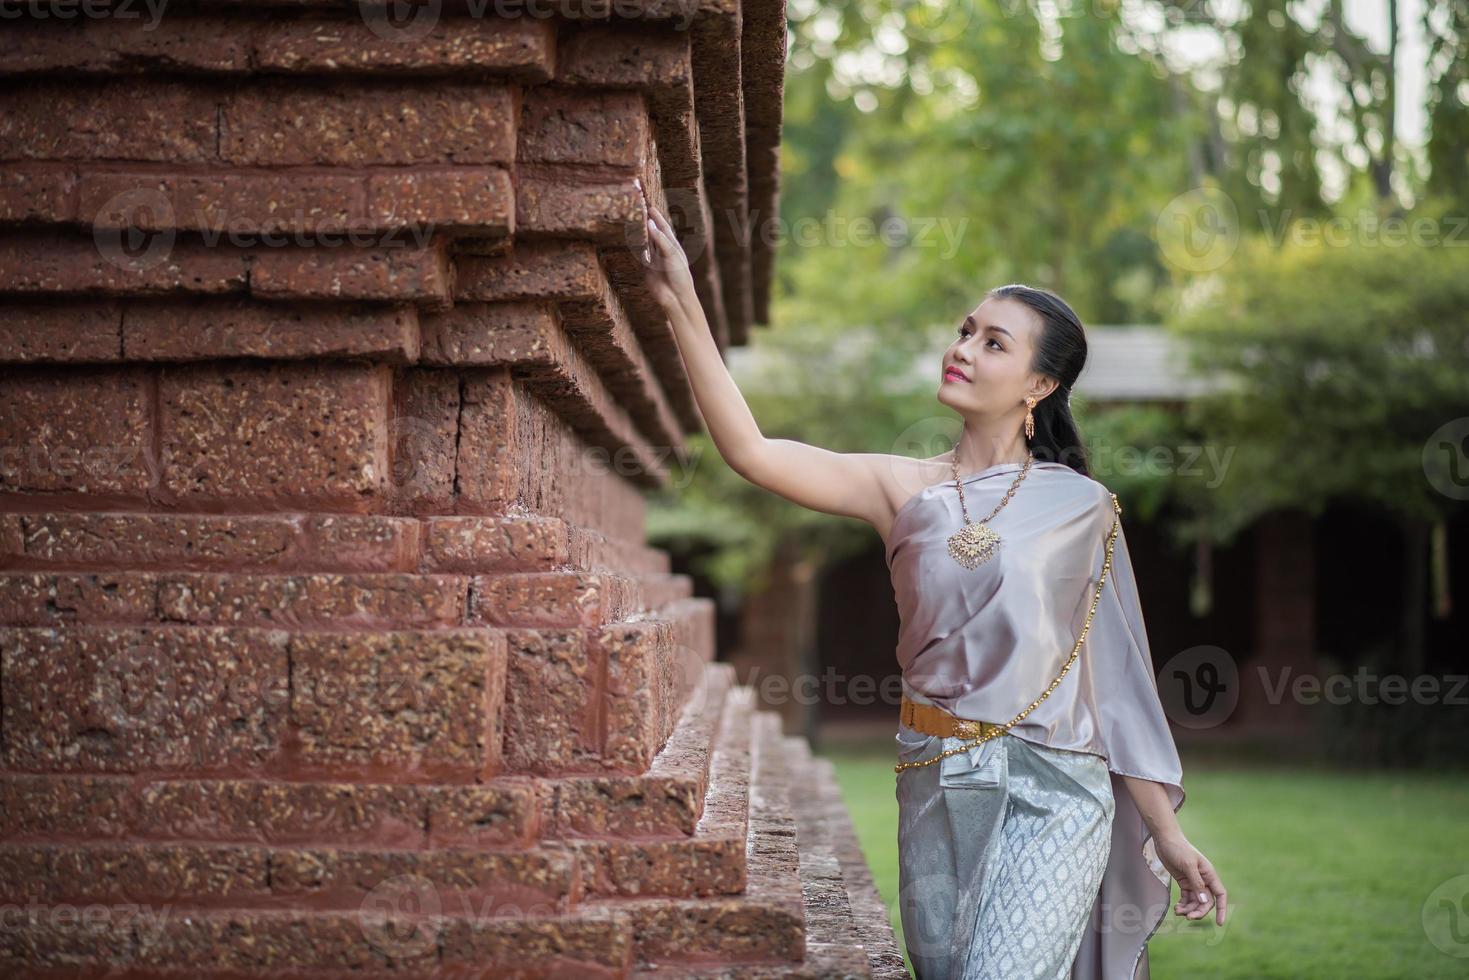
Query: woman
{"points": [[1029, 700]]}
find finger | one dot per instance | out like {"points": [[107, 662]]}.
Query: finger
{"points": [[1193, 882], [1217, 888], [655, 233], [656, 246]]}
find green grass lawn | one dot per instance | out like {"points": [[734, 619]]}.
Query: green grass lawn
{"points": [[1329, 872]]}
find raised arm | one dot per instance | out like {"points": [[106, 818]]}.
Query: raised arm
{"points": [[848, 484]]}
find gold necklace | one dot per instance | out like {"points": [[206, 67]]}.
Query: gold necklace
{"points": [[975, 543]]}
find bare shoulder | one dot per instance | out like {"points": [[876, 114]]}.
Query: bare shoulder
{"points": [[898, 479]]}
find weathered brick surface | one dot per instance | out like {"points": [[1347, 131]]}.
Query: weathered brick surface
{"points": [[272, 204], [53, 262], [167, 120], [355, 601], [520, 47], [557, 204], [90, 808], [586, 127], [488, 543], [423, 441], [157, 873], [712, 860], [204, 328], [198, 41], [478, 201], [670, 798], [765, 922], [85, 432], [42, 599], [641, 662], [558, 599], [425, 702], [283, 122], [45, 193], [509, 810], [272, 435], [393, 267], [270, 208], [61, 331], [553, 681], [202, 541], [124, 699]]}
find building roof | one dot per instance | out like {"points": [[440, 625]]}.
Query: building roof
{"points": [[1137, 362]]}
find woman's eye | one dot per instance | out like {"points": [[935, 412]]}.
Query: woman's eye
{"points": [[997, 344]]}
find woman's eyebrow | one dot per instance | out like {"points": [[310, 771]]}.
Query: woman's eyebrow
{"points": [[969, 321]]}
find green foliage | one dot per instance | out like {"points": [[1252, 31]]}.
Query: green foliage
{"points": [[1342, 360]]}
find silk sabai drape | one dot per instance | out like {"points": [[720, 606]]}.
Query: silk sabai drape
{"points": [[984, 642]]}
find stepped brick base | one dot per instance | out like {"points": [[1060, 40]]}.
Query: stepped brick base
{"points": [[766, 883]]}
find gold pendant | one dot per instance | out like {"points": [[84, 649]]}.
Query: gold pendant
{"points": [[973, 545]]}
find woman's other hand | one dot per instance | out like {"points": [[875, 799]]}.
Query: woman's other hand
{"points": [[1197, 880]]}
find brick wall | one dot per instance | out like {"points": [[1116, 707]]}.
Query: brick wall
{"points": [[328, 638]]}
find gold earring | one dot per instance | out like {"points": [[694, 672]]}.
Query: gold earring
{"points": [[1029, 418]]}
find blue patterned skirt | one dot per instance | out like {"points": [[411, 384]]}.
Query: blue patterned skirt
{"points": [[1001, 851]]}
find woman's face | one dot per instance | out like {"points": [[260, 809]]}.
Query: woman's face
{"points": [[987, 367]]}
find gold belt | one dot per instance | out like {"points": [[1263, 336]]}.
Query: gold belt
{"points": [[930, 719]]}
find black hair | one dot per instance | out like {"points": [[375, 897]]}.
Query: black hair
{"points": [[1060, 353]]}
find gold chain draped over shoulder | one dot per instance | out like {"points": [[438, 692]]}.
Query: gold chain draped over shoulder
{"points": [[1075, 652]]}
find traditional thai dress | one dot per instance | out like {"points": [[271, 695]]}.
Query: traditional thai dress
{"points": [[1025, 856]]}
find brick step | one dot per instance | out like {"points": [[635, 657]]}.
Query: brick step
{"points": [[124, 809], [417, 706], [59, 260], [376, 941], [330, 600], [220, 43], [113, 540], [669, 799], [764, 923], [448, 704], [710, 861], [507, 881], [667, 802], [550, 877], [790, 920], [856, 916], [847, 931], [602, 700], [461, 932]]}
